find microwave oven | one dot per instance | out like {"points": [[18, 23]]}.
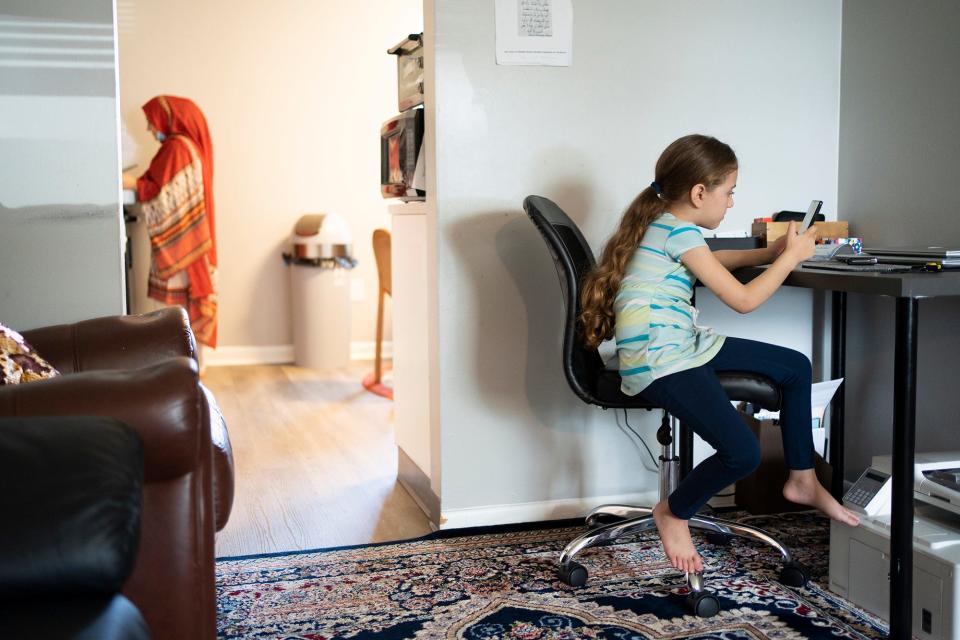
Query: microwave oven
{"points": [[401, 161]]}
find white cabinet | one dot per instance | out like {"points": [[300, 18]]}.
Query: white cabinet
{"points": [[411, 353]]}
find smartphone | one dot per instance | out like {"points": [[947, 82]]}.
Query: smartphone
{"points": [[813, 210]]}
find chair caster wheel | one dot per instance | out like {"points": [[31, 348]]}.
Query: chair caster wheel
{"points": [[574, 574], [703, 605], [718, 539], [794, 575]]}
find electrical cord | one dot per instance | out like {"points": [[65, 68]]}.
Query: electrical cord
{"points": [[656, 462]]}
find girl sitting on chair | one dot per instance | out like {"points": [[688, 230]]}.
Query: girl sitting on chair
{"points": [[640, 293]]}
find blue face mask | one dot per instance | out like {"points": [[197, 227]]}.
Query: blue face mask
{"points": [[161, 136]]}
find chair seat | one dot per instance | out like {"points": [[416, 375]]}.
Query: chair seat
{"points": [[739, 386]]}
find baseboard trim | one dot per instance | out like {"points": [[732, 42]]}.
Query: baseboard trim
{"points": [[538, 511], [417, 484], [280, 354], [244, 355]]}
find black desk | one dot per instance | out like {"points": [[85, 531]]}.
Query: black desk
{"points": [[907, 288]]}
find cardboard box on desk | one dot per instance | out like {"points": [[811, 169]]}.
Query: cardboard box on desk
{"points": [[770, 231], [762, 491]]}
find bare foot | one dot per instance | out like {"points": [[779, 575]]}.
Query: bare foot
{"points": [[675, 536], [803, 487]]}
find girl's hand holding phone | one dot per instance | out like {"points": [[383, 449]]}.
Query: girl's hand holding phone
{"points": [[776, 249], [800, 246]]}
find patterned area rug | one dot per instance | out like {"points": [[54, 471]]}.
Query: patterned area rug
{"points": [[503, 585]]}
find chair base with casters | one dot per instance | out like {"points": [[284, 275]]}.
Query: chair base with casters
{"points": [[589, 379], [611, 522]]}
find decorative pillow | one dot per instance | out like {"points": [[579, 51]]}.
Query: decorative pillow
{"points": [[18, 361]]}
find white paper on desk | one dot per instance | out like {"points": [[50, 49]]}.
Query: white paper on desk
{"points": [[534, 32], [821, 393], [820, 396]]}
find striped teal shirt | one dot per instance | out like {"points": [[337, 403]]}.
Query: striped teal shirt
{"points": [[656, 328]]}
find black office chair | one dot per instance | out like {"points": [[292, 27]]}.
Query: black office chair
{"points": [[594, 384]]}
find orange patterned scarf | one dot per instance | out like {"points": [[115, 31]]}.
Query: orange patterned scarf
{"points": [[177, 201]]}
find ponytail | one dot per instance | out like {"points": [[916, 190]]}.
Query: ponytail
{"points": [[601, 284]]}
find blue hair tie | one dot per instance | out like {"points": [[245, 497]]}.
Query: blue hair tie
{"points": [[656, 188]]}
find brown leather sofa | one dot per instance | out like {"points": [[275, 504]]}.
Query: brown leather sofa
{"points": [[142, 370]]}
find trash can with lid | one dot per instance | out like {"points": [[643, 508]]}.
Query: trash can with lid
{"points": [[320, 261]]}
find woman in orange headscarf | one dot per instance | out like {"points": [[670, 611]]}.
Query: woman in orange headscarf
{"points": [[176, 196]]}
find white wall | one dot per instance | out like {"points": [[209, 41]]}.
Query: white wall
{"points": [[294, 93], [60, 225], [900, 150], [762, 75]]}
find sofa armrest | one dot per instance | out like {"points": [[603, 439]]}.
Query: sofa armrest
{"points": [[116, 342], [223, 472], [162, 403], [71, 505]]}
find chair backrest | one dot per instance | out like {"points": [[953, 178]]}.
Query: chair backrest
{"points": [[573, 258]]}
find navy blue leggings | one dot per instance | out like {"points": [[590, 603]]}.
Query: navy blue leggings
{"points": [[697, 399]]}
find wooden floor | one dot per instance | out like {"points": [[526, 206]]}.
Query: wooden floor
{"points": [[316, 461]]}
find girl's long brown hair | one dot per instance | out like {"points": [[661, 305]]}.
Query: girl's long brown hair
{"points": [[687, 162]]}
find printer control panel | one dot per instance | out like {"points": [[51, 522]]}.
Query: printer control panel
{"points": [[870, 494]]}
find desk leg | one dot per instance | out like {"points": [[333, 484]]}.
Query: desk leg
{"points": [[904, 428], [838, 367], [685, 450]]}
